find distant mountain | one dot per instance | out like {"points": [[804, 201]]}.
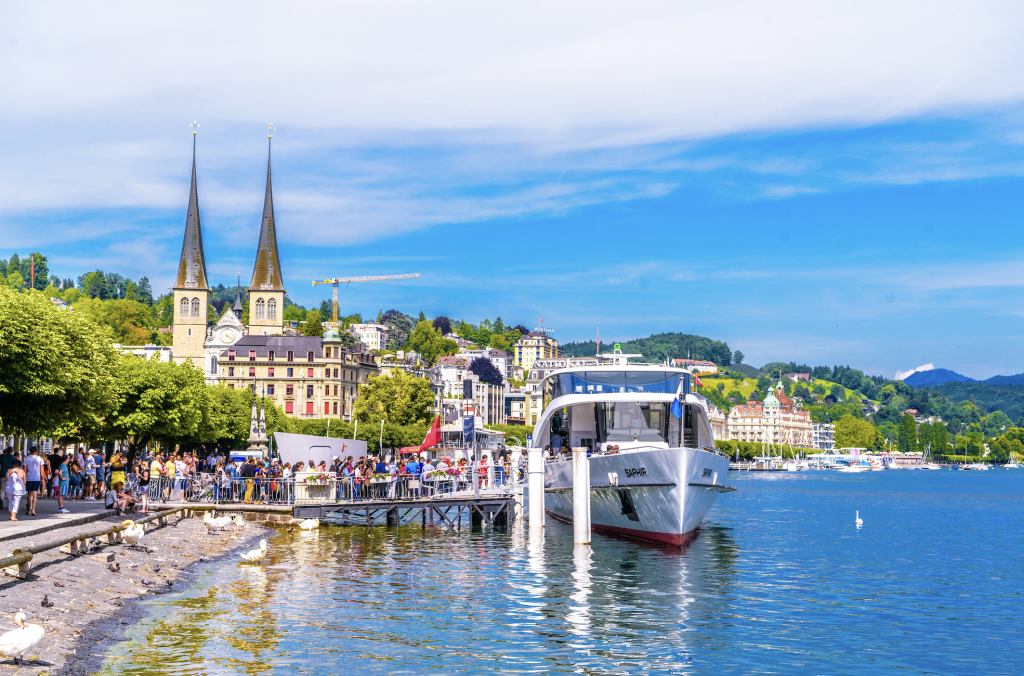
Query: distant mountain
{"points": [[940, 376], [1005, 380]]}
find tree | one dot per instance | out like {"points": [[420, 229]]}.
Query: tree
{"points": [[56, 367], [399, 327], [327, 309], [313, 327], [428, 342], [15, 281], [130, 322], [521, 329], [94, 285], [399, 398], [143, 291], [853, 432], [422, 317], [294, 313], [907, 434], [14, 265], [486, 371], [738, 357], [41, 268]]}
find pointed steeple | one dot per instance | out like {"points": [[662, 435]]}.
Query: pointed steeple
{"points": [[237, 309], [266, 274], [192, 266]]}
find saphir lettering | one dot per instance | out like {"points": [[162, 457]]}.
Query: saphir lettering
{"points": [[637, 471]]}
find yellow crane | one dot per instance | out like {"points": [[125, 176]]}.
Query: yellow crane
{"points": [[348, 280]]}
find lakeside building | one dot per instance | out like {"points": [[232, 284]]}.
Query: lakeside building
{"points": [[307, 377], [776, 420], [823, 436], [533, 346], [515, 407]]}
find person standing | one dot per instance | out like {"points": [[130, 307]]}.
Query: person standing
{"points": [[63, 478], [54, 460], [117, 469], [15, 488], [90, 474], [33, 478], [7, 461], [249, 474]]}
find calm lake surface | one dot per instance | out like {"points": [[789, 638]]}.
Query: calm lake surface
{"points": [[779, 581]]}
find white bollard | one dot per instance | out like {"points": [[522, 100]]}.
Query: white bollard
{"points": [[580, 496], [535, 472]]}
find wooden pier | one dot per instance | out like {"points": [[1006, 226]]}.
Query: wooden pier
{"points": [[486, 511]]}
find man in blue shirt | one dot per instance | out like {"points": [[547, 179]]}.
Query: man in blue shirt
{"points": [[413, 470]]}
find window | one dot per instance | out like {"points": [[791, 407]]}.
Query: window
{"points": [[289, 407], [270, 389], [270, 372], [309, 391], [272, 309], [309, 356], [231, 370], [183, 311], [309, 407], [335, 373], [335, 390], [291, 355], [261, 309], [195, 307], [291, 373], [231, 386], [327, 408], [327, 390], [252, 371], [289, 390], [231, 355], [270, 356], [252, 355], [310, 374], [335, 408]]}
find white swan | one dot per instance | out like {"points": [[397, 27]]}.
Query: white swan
{"points": [[310, 524], [237, 520], [858, 520], [256, 555], [19, 641], [224, 521], [212, 524], [133, 532]]}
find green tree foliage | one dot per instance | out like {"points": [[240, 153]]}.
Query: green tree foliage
{"points": [[129, 322], [399, 398], [313, 326], [853, 432], [428, 342], [327, 310], [908, 434], [515, 435], [660, 346], [56, 367], [738, 357], [399, 326], [15, 281], [486, 371], [294, 313]]}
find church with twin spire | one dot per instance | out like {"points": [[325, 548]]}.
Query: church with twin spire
{"points": [[306, 376]]}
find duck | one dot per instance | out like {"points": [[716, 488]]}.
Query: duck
{"points": [[17, 642], [310, 524], [212, 524], [133, 532], [256, 555], [859, 521]]}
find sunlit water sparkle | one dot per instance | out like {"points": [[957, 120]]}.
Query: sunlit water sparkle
{"points": [[779, 581]]}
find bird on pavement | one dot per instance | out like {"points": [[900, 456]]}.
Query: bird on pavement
{"points": [[46, 602], [132, 533], [19, 641]]}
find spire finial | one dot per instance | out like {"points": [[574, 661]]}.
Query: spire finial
{"points": [[195, 127], [271, 129]]}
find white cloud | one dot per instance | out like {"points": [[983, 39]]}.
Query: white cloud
{"points": [[903, 375]]}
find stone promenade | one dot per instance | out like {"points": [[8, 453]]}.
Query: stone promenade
{"points": [[89, 599]]}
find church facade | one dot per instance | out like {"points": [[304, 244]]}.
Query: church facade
{"points": [[309, 377]]}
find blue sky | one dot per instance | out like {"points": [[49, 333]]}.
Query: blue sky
{"points": [[803, 182]]}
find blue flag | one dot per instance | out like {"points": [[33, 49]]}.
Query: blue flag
{"points": [[677, 408]]}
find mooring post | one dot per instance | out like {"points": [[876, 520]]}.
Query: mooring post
{"points": [[580, 496], [393, 517], [535, 472]]}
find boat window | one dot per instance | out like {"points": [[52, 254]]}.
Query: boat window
{"points": [[632, 421], [604, 382]]}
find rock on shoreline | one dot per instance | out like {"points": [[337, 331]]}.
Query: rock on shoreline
{"points": [[93, 605]]}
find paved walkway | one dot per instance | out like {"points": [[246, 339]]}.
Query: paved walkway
{"points": [[82, 511]]}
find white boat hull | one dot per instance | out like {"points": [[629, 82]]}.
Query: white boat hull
{"points": [[662, 495]]}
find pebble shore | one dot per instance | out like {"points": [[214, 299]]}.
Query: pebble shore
{"points": [[92, 604]]}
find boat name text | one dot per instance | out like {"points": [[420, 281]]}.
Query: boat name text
{"points": [[638, 471]]}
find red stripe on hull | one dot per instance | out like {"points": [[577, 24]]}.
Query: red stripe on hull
{"points": [[675, 539]]}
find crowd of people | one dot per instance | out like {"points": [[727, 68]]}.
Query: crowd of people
{"points": [[88, 475]]}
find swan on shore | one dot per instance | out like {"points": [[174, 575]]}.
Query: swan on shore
{"points": [[133, 532], [224, 521], [237, 520], [17, 642], [256, 555], [310, 524], [212, 524]]}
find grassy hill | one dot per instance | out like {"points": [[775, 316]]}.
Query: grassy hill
{"points": [[659, 347]]}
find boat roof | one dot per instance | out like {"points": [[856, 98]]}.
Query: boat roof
{"points": [[620, 368]]}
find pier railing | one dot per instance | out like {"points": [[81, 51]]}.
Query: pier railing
{"points": [[206, 488]]}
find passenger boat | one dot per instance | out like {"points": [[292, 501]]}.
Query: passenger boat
{"points": [[654, 469]]}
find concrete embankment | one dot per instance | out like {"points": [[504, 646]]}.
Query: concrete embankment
{"points": [[91, 597]]}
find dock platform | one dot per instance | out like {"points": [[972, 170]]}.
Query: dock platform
{"points": [[491, 511]]}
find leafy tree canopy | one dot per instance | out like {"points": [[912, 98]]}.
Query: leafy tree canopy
{"points": [[399, 398], [313, 325], [486, 371], [661, 346], [429, 343]]}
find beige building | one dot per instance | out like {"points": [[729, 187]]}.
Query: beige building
{"points": [[776, 420], [533, 346]]}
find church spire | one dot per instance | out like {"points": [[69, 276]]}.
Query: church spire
{"points": [[266, 275], [192, 266], [237, 309]]}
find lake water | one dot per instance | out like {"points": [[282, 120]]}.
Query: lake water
{"points": [[779, 581]]}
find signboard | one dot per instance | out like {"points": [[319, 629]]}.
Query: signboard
{"points": [[529, 441], [468, 429]]}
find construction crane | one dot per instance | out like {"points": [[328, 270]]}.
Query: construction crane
{"points": [[348, 280]]}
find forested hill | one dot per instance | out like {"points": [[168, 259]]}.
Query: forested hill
{"points": [[660, 346], [1006, 398]]}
